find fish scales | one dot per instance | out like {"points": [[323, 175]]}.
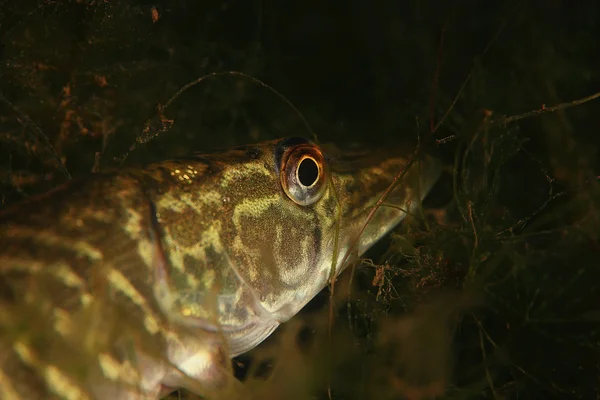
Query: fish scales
{"points": [[133, 283]]}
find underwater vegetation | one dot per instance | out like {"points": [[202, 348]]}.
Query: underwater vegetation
{"points": [[490, 290]]}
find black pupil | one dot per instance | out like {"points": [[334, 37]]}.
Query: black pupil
{"points": [[308, 171]]}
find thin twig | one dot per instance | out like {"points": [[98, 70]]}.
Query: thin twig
{"points": [[436, 77], [468, 78], [150, 132], [546, 110]]}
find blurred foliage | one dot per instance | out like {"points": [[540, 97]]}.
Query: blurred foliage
{"points": [[491, 293]]}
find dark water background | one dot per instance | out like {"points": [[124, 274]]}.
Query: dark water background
{"points": [[514, 257]]}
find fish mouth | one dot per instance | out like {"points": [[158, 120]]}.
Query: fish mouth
{"points": [[379, 189]]}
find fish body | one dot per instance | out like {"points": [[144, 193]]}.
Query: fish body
{"points": [[133, 283]]}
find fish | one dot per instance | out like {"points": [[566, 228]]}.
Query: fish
{"points": [[133, 283]]}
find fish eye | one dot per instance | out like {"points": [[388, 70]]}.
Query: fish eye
{"points": [[303, 174]]}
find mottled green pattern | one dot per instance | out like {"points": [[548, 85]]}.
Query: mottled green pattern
{"points": [[123, 278]]}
